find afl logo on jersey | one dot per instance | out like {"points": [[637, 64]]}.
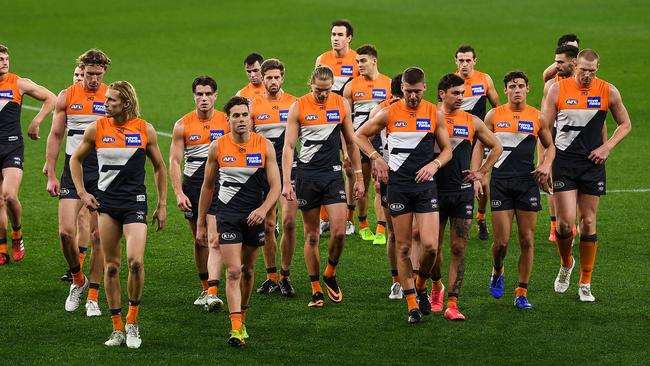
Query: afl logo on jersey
{"points": [[571, 102], [6, 94], [379, 93], [311, 117], [422, 124], [228, 159], [194, 138], [284, 115], [503, 125], [215, 134], [333, 116], [359, 95], [263, 117], [593, 102], [347, 70], [108, 139], [461, 131], [526, 127], [99, 108], [132, 139], [399, 124], [76, 107], [478, 90], [253, 159]]}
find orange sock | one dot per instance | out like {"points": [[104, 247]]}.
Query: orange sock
{"points": [[363, 222], [236, 321], [437, 285], [213, 286], [452, 302], [410, 299], [3, 248], [272, 274], [16, 234], [553, 226], [420, 283], [588, 248], [204, 284], [78, 278], [82, 258], [381, 229], [330, 270], [132, 315], [118, 324], [284, 274], [480, 216], [564, 248], [520, 291], [316, 287], [93, 292], [323, 214]]}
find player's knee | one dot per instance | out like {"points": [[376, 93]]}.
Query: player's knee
{"points": [[526, 241], [312, 239], [67, 236], [500, 245], [404, 251], [269, 228], [247, 273], [429, 248], [234, 273], [338, 235], [112, 269], [587, 222], [10, 198], [289, 224], [564, 228], [458, 250], [2, 201], [135, 266]]}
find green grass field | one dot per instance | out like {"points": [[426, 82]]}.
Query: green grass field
{"points": [[160, 46]]}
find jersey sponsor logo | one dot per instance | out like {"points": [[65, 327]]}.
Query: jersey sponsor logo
{"points": [[64, 192], [526, 127], [558, 184], [76, 107], [399, 124], [99, 108], [379, 93], [593, 102], [311, 117], [108, 139], [6, 94], [503, 125], [254, 159], [228, 236], [229, 159], [423, 124], [215, 134], [347, 70], [360, 94], [333, 115], [284, 115], [140, 198], [132, 139], [194, 137], [478, 90], [571, 102], [495, 203], [302, 202], [263, 117], [396, 206], [461, 131]]}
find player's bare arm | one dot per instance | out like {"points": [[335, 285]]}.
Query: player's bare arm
{"points": [[153, 152], [290, 138], [487, 139], [545, 161], [353, 152], [362, 137], [492, 94], [273, 178], [442, 139], [54, 140], [175, 157], [41, 94], [76, 170], [624, 126], [207, 191]]}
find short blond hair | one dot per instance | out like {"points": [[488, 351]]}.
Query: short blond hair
{"points": [[321, 72], [128, 95], [589, 55]]}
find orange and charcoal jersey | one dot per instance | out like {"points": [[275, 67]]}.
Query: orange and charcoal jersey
{"points": [[251, 91], [320, 135], [197, 135], [517, 131], [10, 106], [558, 77], [345, 68], [581, 114], [270, 120], [121, 154], [366, 95], [411, 139], [460, 126], [382, 134], [82, 107], [242, 174], [475, 97]]}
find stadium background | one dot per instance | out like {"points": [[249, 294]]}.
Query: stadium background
{"points": [[160, 46]]}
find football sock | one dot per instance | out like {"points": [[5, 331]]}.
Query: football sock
{"points": [[93, 292], [330, 270], [452, 300], [421, 282], [213, 287], [315, 284], [203, 277], [393, 272], [132, 315], [82, 256], [480, 215], [3, 245], [521, 290], [284, 273], [564, 248], [236, 320], [381, 227], [272, 274], [411, 302], [351, 213], [363, 222], [77, 276], [588, 248], [437, 284], [116, 319]]}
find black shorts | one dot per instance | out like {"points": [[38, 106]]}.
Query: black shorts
{"points": [[383, 194], [457, 205], [583, 175], [129, 213], [514, 194], [193, 192], [69, 191], [12, 154], [313, 192], [233, 229], [412, 202]]}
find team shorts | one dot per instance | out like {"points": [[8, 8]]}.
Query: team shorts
{"points": [[193, 192], [233, 229], [383, 194], [514, 194], [69, 191], [457, 205], [12, 154], [424, 201], [313, 192], [581, 174], [128, 213]]}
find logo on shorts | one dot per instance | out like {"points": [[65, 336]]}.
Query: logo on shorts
{"points": [[422, 124], [593, 102], [434, 203], [503, 125], [384, 199], [571, 102], [478, 90], [140, 217], [99, 108], [336, 168], [347, 70], [64, 192], [359, 95], [189, 214], [215, 134], [228, 159], [141, 198], [495, 203], [194, 137], [253, 159], [379, 93], [302, 202], [601, 186], [284, 115], [461, 131], [76, 107], [17, 160], [526, 127], [396, 206], [228, 236], [108, 139], [6, 94], [558, 184], [132, 139], [333, 116], [399, 124], [263, 117], [311, 117]]}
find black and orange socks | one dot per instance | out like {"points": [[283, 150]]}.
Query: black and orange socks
{"points": [[116, 319], [272, 274], [315, 284], [203, 277], [588, 249], [213, 287], [564, 243], [132, 315]]}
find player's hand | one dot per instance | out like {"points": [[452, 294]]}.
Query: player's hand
{"points": [[375, 182], [183, 202], [53, 187], [478, 190], [45, 169], [358, 189], [542, 174], [347, 165], [201, 233], [256, 217], [472, 176], [159, 217], [380, 170], [288, 192], [600, 155], [426, 173], [89, 201], [33, 129]]}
